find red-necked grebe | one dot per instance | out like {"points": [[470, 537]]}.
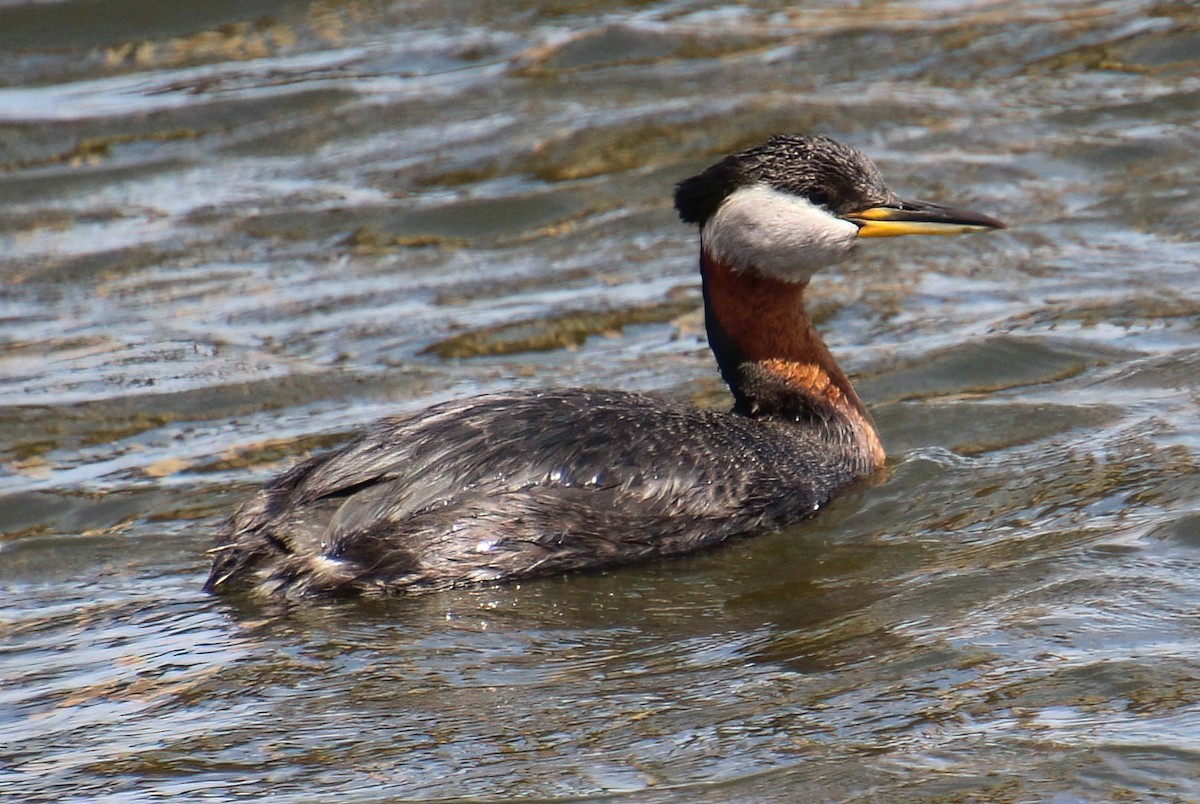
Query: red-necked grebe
{"points": [[511, 486]]}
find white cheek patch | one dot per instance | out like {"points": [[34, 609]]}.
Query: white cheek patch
{"points": [[776, 234]]}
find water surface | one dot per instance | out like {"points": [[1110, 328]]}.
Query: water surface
{"points": [[233, 233]]}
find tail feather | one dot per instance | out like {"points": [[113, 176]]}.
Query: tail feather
{"points": [[231, 559], [254, 544], [284, 559]]}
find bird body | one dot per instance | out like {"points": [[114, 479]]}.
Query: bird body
{"points": [[510, 486]]}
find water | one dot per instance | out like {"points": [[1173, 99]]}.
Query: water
{"points": [[233, 233]]}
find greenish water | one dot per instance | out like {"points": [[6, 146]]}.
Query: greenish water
{"points": [[232, 233]]}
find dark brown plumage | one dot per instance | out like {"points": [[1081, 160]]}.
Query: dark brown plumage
{"points": [[517, 485]]}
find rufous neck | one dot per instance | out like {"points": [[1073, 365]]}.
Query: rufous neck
{"points": [[771, 356]]}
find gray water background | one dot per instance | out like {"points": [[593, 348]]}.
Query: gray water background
{"points": [[232, 233]]}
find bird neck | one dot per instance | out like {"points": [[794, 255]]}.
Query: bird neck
{"points": [[772, 358]]}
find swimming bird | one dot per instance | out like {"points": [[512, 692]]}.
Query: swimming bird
{"points": [[510, 486]]}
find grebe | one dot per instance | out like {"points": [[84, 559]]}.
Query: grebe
{"points": [[511, 486]]}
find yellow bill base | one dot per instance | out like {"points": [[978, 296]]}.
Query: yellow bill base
{"points": [[897, 228], [893, 222]]}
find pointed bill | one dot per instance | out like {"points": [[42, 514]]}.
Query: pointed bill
{"points": [[919, 218]]}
